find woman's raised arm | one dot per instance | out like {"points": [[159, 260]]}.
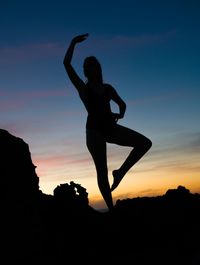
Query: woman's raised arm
{"points": [[73, 76]]}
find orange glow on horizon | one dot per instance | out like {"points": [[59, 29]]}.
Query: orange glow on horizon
{"points": [[134, 184]]}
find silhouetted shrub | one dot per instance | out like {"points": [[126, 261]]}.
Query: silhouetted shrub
{"points": [[71, 194]]}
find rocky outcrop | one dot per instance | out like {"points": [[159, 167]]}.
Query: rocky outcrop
{"points": [[20, 183], [17, 171]]}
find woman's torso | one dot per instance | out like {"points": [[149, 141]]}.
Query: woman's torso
{"points": [[97, 103]]}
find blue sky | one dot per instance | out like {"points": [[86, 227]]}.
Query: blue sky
{"points": [[149, 51]]}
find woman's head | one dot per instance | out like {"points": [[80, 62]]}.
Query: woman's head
{"points": [[92, 69]]}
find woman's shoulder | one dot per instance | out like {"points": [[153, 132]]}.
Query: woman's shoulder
{"points": [[108, 86]]}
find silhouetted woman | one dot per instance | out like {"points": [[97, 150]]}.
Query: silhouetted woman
{"points": [[101, 126]]}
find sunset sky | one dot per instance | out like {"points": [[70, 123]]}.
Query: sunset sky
{"points": [[149, 51]]}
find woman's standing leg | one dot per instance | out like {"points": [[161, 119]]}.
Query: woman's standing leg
{"points": [[97, 146], [127, 137]]}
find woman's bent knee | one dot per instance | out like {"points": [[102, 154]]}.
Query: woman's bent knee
{"points": [[148, 143]]}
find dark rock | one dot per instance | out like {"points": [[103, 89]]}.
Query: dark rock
{"points": [[18, 177], [62, 228]]}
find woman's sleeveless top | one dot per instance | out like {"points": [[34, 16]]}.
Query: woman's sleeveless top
{"points": [[97, 104]]}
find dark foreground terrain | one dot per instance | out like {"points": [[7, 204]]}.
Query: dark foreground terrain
{"points": [[63, 228]]}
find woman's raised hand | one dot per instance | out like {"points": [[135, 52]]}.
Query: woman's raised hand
{"points": [[80, 38]]}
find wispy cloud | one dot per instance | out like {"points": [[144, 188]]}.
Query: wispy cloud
{"points": [[10, 105], [178, 94], [46, 93], [18, 99], [14, 128], [153, 99], [181, 154], [144, 39], [35, 51], [27, 52], [190, 141], [63, 158], [31, 93], [125, 41]]}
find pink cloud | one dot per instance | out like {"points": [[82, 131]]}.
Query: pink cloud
{"points": [[34, 93], [10, 105], [63, 158], [12, 127], [60, 163], [18, 99], [46, 93], [22, 129], [17, 54]]}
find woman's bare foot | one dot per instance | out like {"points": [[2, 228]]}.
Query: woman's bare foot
{"points": [[116, 179]]}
